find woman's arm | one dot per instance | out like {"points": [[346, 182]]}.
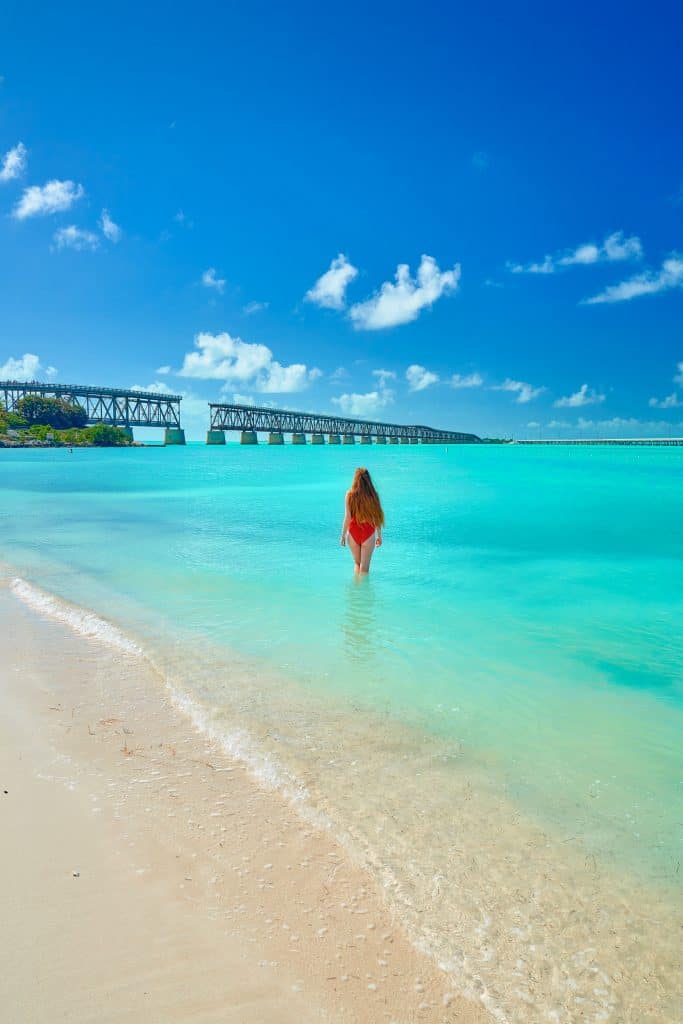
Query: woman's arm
{"points": [[378, 537], [347, 520]]}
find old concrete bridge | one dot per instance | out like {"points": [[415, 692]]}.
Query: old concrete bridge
{"points": [[248, 420]]}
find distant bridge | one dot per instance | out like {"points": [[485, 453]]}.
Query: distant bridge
{"points": [[649, 441], [114, 406], [249, 419]]}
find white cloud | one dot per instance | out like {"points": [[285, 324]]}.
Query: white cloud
{"points": [[400, 303], [630, 427], [27, 367], [243, 399], [222, 357], [470, 380], [525, 392], [364, 405], [584, 396], [546, 267], [559, 424], [209, 280], [383, 376], [678, 379], [615, 248], [76, 238], [110, 230], [254, 307], [53, 197], [670, 275], [13, 163], [533, 424], [329, 291], [670, 402], [341, 373], [159, 387], [163, 369], [420, 378]]}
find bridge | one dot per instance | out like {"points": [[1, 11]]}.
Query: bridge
{"points": [[647, 441], [114, 406], [249, 419]]}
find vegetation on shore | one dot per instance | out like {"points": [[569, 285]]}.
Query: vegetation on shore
{"points": [[55, 423]]}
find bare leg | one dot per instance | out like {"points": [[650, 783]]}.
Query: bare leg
{"points": [[366, 550], [355, 550]]}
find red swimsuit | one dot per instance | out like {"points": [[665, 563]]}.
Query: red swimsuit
{"points": [[360, 531]]}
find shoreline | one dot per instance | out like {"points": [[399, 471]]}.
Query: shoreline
{"points": [[260, 909]]}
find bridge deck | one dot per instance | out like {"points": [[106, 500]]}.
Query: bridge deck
{"points": [[650, 441], [252, 417]]}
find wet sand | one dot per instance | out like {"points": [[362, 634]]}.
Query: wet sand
{"points": [[147, 876]]}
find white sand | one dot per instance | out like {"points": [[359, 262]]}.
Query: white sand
{"points": [[147, 877]]}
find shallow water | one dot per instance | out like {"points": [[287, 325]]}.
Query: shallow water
{"points": [[492, 719]]}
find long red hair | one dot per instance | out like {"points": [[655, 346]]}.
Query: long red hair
{"points": [[364, 503]]}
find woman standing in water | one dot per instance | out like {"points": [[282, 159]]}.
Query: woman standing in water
{"points": [[363, 521]]}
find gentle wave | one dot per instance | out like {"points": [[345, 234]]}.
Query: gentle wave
{"points": [[237, 743]]}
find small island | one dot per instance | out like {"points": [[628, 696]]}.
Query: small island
{"points": [[41, 422]]}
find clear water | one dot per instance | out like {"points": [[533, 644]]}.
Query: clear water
{"points": [[492, 719]]}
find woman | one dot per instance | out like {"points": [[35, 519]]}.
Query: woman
{"points": [[363, 521]]}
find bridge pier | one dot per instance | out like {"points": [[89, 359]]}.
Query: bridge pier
{"points": [[317, 439], [248, 437], [381, 439], [405, 440], [174, 435], [333, 439], [215, 437], [365, 439], [414, 440], [276, 437], [128, 431], [349, 439], [298, 437], [393, 439]]}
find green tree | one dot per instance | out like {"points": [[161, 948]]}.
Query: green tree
{"points": [[105, 436], [51, 412]]}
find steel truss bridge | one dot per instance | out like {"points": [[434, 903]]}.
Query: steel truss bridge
{"points": [[249, 418], [114, 406]]}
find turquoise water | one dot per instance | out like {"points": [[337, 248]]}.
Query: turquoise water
{"points": [[510, 674]]}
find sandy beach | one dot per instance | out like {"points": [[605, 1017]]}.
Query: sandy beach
{"points": [[146, 876]]}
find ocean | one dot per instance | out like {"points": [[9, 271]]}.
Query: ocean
{"points": [[491, 721]]}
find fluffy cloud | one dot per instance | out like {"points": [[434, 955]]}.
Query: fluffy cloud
{"points": [[27, 367], [329, 291], [670, 402], [209, 280], [76, 238], [383, 376], [163, 369], [159, 387], [670, 275], [614, 249], [402, 302], [630, 427], [364, 405], [53, 197], [254, 307], [13, 163], [470, 380], [110, 230], [222, 357], [420, 378], [525, 392], [584, 396]]}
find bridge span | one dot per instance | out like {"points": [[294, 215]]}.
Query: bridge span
{"points": [[114, 406], [248, 420]]}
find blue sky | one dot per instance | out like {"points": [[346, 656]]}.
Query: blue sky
{"points": [[470, 219]]}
